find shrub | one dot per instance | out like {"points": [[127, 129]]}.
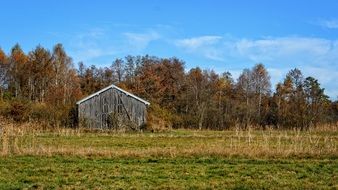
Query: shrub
{"points": [[4, 106], [159, 118], [18, 110], [40, 112], [71, 119]]}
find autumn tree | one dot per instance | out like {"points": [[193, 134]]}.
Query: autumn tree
{"points": [[228, 101], [38, 74], [17, 73], [317, 102], [148, 81], [333, 112], [64, 85], [215, 112], [197, 97], [245, 90], [261, 86], [204, 99], [171, 76], [89, 80], [282, 98], [3, 72], [297, 101]]}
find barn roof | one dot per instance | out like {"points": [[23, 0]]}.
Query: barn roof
{"points": [[114, 87]]}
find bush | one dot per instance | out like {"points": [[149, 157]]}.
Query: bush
{"points": [[18, 110], [159, 118], [23, 111], [40, 112], [71, 119], [3, 107]]}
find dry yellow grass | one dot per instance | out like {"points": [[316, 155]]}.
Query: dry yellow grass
{"points": [[30, 139]]}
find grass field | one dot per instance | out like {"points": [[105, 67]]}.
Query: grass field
{"points": [[165, 173], [177, 159]]}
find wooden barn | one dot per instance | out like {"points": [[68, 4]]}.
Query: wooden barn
{"points": [[106, 107]]}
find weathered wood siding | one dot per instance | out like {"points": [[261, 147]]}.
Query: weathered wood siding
{"points": [[95, 111]]}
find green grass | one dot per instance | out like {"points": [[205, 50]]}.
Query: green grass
{"points": [[165, 173], [178, 159]]}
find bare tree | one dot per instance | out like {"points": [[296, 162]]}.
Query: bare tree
{"points": [[118, 69], [261, 85]]}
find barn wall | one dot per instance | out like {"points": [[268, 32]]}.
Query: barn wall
{"points": [[97, 109]]}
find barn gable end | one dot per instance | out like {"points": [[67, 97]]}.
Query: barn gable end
{"points": [[97, 109]]}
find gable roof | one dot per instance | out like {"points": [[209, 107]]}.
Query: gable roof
{"points": [[112, 87]]}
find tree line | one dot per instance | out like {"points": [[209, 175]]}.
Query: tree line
{"points": [[44, 85]]}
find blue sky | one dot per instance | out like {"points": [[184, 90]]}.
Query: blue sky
{"points": [[222, 35]]}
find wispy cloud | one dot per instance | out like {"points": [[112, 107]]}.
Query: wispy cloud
{"points": [[207, 46], [139, 41], [100, 46], [198, 42], [330, 24], [270, 49], [89, 45], [316, 57], [273, 48]]}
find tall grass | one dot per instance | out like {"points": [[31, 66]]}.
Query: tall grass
{"points": [[30, 139]]}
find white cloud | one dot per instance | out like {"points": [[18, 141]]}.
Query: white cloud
{"points": [[140, 41], [317, 57], [327, 77], [276, 75], [198, 42], [207, 46], [100, 46], [330, 24], [324, 75], [260, 50], [273, 48], [90, 45]]}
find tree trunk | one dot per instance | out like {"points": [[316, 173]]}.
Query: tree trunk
{"points": [[200, 121]]}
